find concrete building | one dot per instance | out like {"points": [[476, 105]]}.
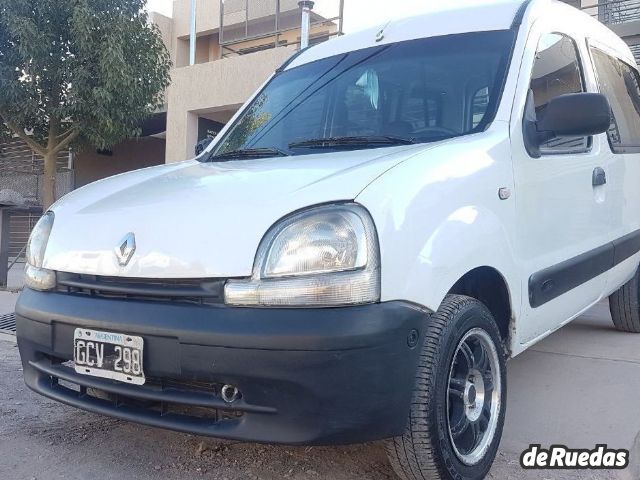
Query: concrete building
{"points": [[239, 43]]}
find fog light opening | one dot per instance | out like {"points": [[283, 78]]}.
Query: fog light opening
{"points": [[230, 393]]}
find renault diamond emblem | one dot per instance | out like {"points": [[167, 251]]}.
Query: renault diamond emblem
{"points": [[125, 249]]}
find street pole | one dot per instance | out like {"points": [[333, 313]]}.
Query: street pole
{"points": [[306, 6], [192, 34], [4, 246]]}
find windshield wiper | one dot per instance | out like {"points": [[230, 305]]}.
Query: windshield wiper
{"points": [[354, 141], [268, 152]]}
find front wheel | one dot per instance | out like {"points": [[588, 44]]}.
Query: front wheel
{"points": [[457, 414]]}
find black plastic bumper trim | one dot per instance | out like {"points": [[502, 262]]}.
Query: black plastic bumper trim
{"points": [[197, 399], [171, 421], [202, 288], [306, 376]]}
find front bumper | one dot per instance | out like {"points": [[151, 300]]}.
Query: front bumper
{"points": [[306, 376]]}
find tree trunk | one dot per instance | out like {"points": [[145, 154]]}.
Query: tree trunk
{"points": [[49, 183]]}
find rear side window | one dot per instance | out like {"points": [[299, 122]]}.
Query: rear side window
{"points": [[556, 71], [621, 85]]}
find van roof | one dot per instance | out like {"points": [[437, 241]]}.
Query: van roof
{"points": [[461, 16], [435, 19]]}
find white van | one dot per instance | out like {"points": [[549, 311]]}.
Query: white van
{"points": [[389, 219]]}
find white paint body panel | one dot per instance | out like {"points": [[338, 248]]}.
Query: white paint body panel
{"points": [[570, 217], [447, 218], [195, 220], [436, 207]]}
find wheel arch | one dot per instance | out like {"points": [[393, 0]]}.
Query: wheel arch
{"points": [[490, 287]]}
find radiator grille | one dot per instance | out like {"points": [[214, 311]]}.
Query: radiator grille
{"points": [[195, 291]]}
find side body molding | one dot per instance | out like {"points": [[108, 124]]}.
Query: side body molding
{"points": [[554, 281]]}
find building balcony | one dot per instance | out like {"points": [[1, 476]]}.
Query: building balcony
{"points": [[210, 94], [613, 12], [237, 27], [621, 16]]}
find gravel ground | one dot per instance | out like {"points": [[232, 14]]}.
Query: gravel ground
{"points": [[42, 439]]}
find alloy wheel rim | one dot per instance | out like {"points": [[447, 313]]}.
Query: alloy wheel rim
{"points": [[474, 394]]}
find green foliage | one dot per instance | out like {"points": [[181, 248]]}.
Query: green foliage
{"points": [[92, 69]]}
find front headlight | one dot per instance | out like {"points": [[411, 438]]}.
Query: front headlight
{"points": [[36, 277], [323, 256]]}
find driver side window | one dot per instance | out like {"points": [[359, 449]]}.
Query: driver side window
{"points": [[556, 71]]}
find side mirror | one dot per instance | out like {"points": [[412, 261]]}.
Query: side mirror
{"points": [[570, 115]]}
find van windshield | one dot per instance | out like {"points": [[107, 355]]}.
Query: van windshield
{"points": [[416, 91]]}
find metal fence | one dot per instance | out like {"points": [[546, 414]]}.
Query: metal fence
{"points": [[21, 189], [247, 26], [16, 224], [21, 222], [613, 12], [22, 173], [635, 49]]}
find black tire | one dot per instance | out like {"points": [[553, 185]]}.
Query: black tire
{"points": [[624, 305], [425, 451]]}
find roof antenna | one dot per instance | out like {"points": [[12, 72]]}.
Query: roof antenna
{"points": [[380, 34]]}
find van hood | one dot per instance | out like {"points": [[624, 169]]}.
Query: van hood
{"points": [[201, 220]]}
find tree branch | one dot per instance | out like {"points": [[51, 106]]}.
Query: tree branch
{"points": [[67, 140], [35, 146], [64, 134]]}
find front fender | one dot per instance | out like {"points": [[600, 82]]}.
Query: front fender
{"points": [[445, 221], [424, 271]]}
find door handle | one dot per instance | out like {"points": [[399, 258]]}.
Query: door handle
{"points": [[599, 177]]}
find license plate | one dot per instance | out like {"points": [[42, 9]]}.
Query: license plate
{"points": [[108, 355]]}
